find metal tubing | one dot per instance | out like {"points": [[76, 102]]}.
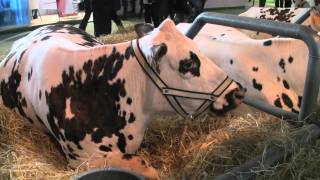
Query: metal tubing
{"points": [[290, 117], [303, 18], [312, 82], [275, 154]]}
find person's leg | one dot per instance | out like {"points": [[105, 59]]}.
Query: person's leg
{"points": [[117, 20], [276, 3], [147, 13], [108, 10], [288, 3], [262, 3], [281, 3], [141, 8], [171, 5], [88, 10], [198, 8], [133, 6], [125, 8], [99, 19], [155, 14], [181, 10]]}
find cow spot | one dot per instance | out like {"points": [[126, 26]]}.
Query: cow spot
{"points": [[282, 65], [129, 53], [267, 43], [287, 101], [290, 59], [105, 148], [255, 69], [29, 74], [191, 65], [231, 61], [11, 97], [45, 38], [277, 103], [132, 118], [88, 40], [222, 35], [121, 142], [21, 56], [40, 94], [278, 79], [8, 58], [129, 100], [94, 93], [285, 84], [256, 85], [130, 137]]}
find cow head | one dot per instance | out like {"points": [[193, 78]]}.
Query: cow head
{"points": [[181, 65]]}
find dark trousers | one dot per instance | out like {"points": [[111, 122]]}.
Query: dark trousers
{"points": [[34, 13], [116, 18], [101, 18], [279, 3], [181, 6], [88, 11], [262, 3], [151, 14]]}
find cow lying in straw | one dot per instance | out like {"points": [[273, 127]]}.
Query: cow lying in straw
{"points": [[272, 70], [97, 100]]}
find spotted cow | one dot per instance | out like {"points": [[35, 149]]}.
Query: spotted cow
{"points": [[95, 99], [289, 15], [273, 70]]}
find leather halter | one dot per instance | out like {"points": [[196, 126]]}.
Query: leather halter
{"points": [[171, 93]]}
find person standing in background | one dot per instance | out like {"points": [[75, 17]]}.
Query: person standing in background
{"points": [[262, 3], [102, 10], [34, 6], [151, 13], [116, 5], [88, 11]]}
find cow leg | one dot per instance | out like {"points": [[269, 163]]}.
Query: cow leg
{"points": [[128, 162]]}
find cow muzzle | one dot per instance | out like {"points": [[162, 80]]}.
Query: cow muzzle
{"points": [[230, 101]]}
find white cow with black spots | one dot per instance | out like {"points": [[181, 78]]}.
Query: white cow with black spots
{"points": [[95, 99], [272, 70]]}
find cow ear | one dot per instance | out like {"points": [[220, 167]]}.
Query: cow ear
{"points": [[143, 29], [158, 51]]}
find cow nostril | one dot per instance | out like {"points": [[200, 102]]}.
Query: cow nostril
{"points": [[239, 96]]}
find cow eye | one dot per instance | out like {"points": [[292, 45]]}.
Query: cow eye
{"points": [[188, 64]]}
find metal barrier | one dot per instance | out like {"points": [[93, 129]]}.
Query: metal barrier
{"points": [[311, 89], [309, 101]]}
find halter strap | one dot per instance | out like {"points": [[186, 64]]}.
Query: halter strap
{"points": [[171, 93]]}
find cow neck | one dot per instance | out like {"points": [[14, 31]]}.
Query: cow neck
{"points": [[171, 94]]}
